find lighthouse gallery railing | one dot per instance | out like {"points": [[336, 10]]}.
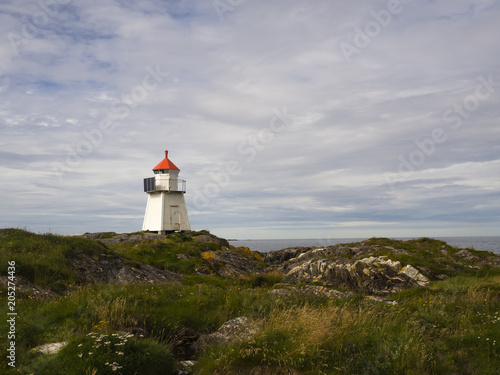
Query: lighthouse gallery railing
{"points": [[175, 185]]}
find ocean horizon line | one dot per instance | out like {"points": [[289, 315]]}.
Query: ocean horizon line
{"points": [[486, 243]]}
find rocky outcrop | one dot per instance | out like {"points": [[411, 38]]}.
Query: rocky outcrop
{"points": [[281, 256], [114, 238], [466, 255], [114, 269], [373, 275], [330, 266], [211, 238], [341, 252], [235, 262]]}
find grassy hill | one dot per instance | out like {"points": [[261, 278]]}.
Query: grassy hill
{"points": [[135, 304]]}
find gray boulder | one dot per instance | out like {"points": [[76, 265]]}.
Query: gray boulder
{"points": [[237, 329]]}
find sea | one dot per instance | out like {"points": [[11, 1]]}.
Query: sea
{"points": [[477, 243]]}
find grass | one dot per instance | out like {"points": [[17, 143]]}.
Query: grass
{"points": [[451, 327], [163, 312], [41, 259], [164, 254]]}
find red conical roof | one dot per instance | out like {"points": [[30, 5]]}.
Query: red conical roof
{"points": [[165, 163]]}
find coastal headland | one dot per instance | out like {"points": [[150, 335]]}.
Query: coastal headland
{"points": [[190, 303]]}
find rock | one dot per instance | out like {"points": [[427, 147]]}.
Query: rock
{"points": [[114, 269], [415, 275], [472, 267], [311, 270], [466, 255], [491, 258], [374, 275], [339, 252], [228, 263], [124, 237], [98, 235], [153, 236], [24, 285], [185, 367], [321, 291], [184, 256], [204, 271], [381, 299], [400, 251], [441, 277], [211, 238], [51, 348], [281, 256], [237, 329], [114, 238]]}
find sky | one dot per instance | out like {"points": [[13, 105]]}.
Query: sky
{"points": [[287, 119]]}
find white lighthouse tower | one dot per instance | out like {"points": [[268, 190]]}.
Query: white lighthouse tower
{"points": [[166, 208]]}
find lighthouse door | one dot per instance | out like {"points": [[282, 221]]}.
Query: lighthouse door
{"points": [[175, 218]]}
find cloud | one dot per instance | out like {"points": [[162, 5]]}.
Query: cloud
{"points": [[75, 74]]}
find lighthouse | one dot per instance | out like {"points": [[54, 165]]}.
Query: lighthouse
{"points": [[166, 208]]}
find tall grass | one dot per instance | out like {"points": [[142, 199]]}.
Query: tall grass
{"points": [[451, 328]]}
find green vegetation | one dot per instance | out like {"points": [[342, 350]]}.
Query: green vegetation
{"points": [[110, 353], [451, 327], [41, 259], [164, 254]]}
